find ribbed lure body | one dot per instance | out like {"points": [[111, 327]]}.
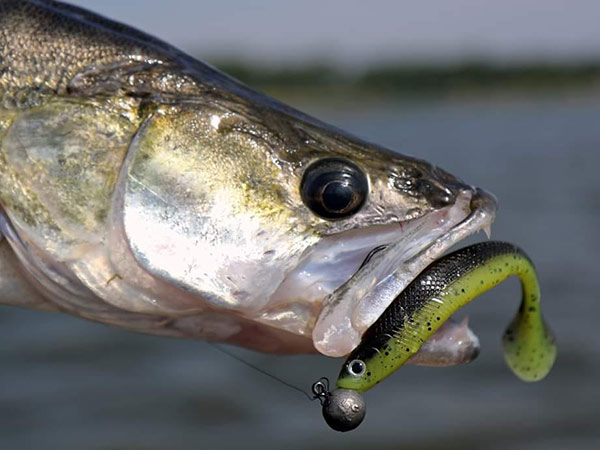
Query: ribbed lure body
{"points": [[438, 292]]}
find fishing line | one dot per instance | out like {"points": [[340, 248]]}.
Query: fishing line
{"points": [[342, 409], [264, 372]]}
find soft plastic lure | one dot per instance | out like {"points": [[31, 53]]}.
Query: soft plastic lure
{"points": [[438, 292]]}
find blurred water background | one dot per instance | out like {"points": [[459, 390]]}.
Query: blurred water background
{"points": [[70, 384]]}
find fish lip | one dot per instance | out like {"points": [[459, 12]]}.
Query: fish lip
{"points": [[483, 211], [375, 299]]}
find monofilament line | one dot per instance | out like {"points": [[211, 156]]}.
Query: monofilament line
{"points": [[258, 369]]}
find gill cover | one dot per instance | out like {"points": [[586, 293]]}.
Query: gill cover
{"points": [[199, 203]]}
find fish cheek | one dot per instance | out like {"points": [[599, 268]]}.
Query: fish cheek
{"points": [[202, 210]]}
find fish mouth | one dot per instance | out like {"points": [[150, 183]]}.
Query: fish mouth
{"points": [[356, 304]]}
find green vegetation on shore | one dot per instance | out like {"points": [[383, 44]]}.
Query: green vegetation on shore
{"points": [[398, 79]]}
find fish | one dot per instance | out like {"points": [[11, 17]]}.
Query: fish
{"points": [[438, 292], [144, 189]]}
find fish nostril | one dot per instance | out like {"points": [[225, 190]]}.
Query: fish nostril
{"points": [[437, 195], [445, 201], [440, 198]]}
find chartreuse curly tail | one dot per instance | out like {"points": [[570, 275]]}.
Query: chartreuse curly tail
{"points": [[438, 292]]}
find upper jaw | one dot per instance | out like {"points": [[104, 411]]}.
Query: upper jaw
{"points": [[356, 304]]}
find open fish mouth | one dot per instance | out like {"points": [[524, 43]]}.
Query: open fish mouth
{"points": [[357, 303]]}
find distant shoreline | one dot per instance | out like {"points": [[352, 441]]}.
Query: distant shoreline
{"points": [[419, 80]]}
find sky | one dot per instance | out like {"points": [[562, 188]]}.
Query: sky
{"points": [[369, 31]]}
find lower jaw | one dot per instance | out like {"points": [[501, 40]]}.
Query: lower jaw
{"points": [[344, 319], [358, 303]]}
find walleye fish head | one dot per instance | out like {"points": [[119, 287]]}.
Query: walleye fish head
{"points": [[283, 219]]}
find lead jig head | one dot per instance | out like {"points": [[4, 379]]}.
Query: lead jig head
{"points": [[343, 409]]}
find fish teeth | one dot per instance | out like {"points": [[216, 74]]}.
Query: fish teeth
{"points": [[487, 229]]}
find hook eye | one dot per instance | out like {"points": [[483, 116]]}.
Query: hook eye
{"points": [[320, 389]]}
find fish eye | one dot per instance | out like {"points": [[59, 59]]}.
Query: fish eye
{"points": [[334, 188], [356, 367]]}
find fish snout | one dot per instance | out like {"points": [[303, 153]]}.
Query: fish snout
{"points": [[484, 201], [442, 189], [438, 187]]}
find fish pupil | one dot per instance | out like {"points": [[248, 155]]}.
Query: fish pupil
{"points": [[337, 196]]}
